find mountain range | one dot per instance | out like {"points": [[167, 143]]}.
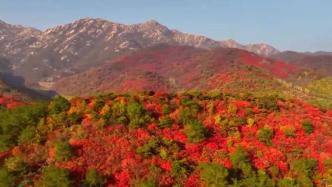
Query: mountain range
{"points": [[95, 55], [67, 49]]}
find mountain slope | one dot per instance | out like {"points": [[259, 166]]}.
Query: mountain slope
{"points": [[320, 62], [15, 40], [176, 68]]}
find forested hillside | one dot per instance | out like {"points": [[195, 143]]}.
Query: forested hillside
{"points": [[159, 139]]}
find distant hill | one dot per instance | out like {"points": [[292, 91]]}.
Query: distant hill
{"points": [[320, 62]]}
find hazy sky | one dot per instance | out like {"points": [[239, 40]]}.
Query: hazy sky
{"points": [[302, 25]]}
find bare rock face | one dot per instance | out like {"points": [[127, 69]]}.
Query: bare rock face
{"points": [[44, 56], [262, 49], [15, 40]]}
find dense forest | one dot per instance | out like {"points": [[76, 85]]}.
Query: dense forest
{"points": [[158, 139]]}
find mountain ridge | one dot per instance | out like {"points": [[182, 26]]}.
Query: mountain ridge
{"points": [[67, 49]]}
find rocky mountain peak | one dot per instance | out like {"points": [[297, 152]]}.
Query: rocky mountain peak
{"points": [[152, 22], [230, 43], [259, 48], [91, 21], [152, 25], [262, 49]]}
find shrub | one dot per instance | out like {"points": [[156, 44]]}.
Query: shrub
{"points": [[2, 108], [122, 120], [63, 150], [262, 179], [244, 174], [106, 113], [118, 113], [180, 169], [137, 115], [136, 122], [134, 110], [93, 179], [58, 104], [214, 175], [165, 122], [186, 100], [15, 164], [194, 107], [189, 112], [98, 103], [195, 131], [25, 183], [269, 102], [218, 119], [211, 109], [6, 179], [250, 122], [59, 121], [289, 132], [167, 109], [238, 157], [303, 169], [274, 171], [74, 118], [118, 109], [264, 135], [149, 148], [55, 177], [6, 141], [214, 94], [303, 166], [163, 153], [27, 135], [236, 122], [232, 109], [287, 182], [146, 183], [307, 126], [186, 115]]}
